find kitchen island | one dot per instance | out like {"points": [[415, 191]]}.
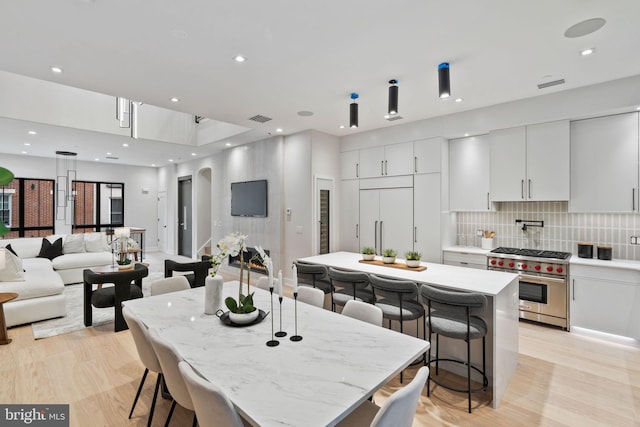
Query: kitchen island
{"points": [[501, 290]]}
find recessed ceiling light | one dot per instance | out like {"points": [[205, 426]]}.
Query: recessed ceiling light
{"points": [[459, 99], [587, 52], [174, 99], [466, 134], [97, 159], [125, 145], [228, 144], [341, 126], [239, 58], [32, 132], [108, 154], [23, 152], [193, 154], [55, 69], [279, 130], [171, 160], [386, 116], [305, 113], [27, 144], [153, 165]]}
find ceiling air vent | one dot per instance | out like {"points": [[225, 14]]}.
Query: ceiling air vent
{"points": [[112, 158], [394, 118], [553, 83], [260, 118]]}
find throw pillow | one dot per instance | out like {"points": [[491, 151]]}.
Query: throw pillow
{"points": [[50, 250], [10, 249], [12, 271], [73, 244], [96, 242]]}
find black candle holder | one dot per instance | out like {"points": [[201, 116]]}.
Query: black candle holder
{"points": [[272, 342], [296, 337], [281, 333]]}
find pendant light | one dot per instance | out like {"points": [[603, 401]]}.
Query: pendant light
{"points": [[393, 97], [444, 85], [353, 111]]}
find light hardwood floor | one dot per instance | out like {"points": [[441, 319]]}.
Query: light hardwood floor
{"points": [[562, 380]]}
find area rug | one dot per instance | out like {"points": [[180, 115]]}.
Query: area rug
{"points": [[74, 320]]}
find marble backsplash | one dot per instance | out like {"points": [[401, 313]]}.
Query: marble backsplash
{"points": [[561, 232]]}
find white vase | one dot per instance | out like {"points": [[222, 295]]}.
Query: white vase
{"points": [[244, 318], [368, 257], [388, 259], [413, 263], [212, 294]]}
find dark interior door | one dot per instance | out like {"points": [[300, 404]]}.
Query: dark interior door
{"points": [[184, 217]]}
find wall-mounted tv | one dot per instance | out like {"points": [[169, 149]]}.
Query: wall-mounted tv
{"points": [[249, 198]]}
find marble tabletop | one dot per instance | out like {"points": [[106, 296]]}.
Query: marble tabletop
{"points": [[338, 364]]}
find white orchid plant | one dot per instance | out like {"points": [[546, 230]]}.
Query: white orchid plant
{"points": [[233, 244]]}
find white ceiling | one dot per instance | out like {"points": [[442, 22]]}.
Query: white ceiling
{"points": [[310, 55]]}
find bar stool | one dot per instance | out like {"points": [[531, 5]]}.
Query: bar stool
{"points": [[349, 285], [454, 314], [314, 275], [398, 300]]}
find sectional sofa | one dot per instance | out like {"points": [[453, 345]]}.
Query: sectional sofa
{"points": [[45, 271]]}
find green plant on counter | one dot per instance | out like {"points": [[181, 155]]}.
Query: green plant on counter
{"points": [[389, 253], [368, 250], [6, 176], [125, 261], [412, 256]]}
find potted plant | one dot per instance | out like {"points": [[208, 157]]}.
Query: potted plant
{"points": [[389, 256], [368, 253], [124, 264], [412, 259]]}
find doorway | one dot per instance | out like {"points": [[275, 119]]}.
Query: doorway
{"points": [[184, 217], [324, 214]]}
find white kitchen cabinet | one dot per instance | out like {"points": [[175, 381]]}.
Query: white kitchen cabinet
{"points": [[531, 163], [349, 216], [465, 259], [426, 216], [604, 164], [386, 219], [427, 155], [349, 164], [469, 174], [390, 160], [606, 300]]}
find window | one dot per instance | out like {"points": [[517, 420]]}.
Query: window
{"points": [[97, 205], [117, 213], [5, 209], [27, 208]]}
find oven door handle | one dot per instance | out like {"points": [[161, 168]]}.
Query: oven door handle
{"points": [[539, 280]]}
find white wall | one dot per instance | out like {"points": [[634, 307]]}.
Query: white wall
{"points": [[139, 208]]}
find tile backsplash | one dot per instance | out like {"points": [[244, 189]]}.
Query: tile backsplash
{"points": [[561, 232]]}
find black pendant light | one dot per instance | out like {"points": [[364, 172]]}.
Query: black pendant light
{"points": [[353, 111], [444, 86], [393, 97]]}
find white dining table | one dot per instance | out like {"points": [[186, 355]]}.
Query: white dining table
{"points": [[317, 381]]}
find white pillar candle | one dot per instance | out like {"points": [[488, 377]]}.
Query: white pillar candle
{"points": [[280, 283], [270, 268], [295, 278]]}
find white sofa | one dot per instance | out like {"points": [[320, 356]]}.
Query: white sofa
{"points": [[40, 294]]}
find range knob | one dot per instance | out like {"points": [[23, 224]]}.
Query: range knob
{"points": [[511, 264], [500, 263], [559, 270], [524, 266], [537, 267], [493, 262], [549, 269]]}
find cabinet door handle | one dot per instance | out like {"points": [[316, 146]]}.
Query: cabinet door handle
{"points": [[464, 262], [381, 237], [415, 234], [488, 202], [386, 172], [357, 231], [415, 164], [573, 289], [381, 167], [522, 188], [357, 170], [633, 199], [529, 189], [375, 236]]}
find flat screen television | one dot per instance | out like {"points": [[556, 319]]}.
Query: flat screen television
{"points": [[249, 198]]}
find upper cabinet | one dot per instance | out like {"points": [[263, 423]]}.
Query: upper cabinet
{"points": [[604, 164], [390, 160], [530, 163], [469, 174], [349, 164], [427, 155]]}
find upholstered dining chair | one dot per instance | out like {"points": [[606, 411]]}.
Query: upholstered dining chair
{"points": [[348, 285], [169, 284], [169, 359], [398, 300], [397, 411], [213, 408], [312, 296], [313, 275], [263, 283], [147, 356], [456, 315], [198, 270], [363, 311]]}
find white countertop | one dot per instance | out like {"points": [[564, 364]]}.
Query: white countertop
{"points": [[467, 250], [315, 382], [484, 281], [626, 264]]}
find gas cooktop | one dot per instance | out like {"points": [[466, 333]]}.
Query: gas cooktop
{"points": [[531, 253]]}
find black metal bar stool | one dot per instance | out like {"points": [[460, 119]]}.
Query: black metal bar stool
{"points": [[455, 315], [349, 285], [313, 275]]}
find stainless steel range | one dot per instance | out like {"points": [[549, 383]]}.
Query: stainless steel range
{"points": [[544, 290]]}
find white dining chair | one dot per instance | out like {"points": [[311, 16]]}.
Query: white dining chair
{"points": [[263, 283], [169, 359], [363, 311], [213, 408], [169, 284], [147, 356], [312, 296], [397, 411]]}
